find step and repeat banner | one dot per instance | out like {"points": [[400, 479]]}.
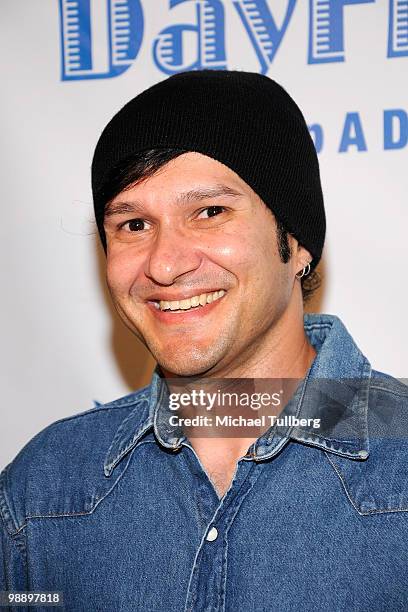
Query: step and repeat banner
{"points": [[69, 65]]}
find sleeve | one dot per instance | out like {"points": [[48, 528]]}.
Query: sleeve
{"points": [[3, 584], [12, 546]]}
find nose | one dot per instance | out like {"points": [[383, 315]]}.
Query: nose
{"points": [[171, 255]]}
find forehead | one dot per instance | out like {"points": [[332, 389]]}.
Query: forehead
{"points": [[191, 170]]}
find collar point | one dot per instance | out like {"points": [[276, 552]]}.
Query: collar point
{"points": [[107, 470], [363, 454]]}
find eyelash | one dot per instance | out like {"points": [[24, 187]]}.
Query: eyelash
{"points": [[123, 225]]}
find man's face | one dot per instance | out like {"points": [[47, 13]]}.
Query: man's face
{"points": [[193, 228]]}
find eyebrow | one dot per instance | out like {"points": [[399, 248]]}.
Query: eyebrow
{"points": [[193, 195]]}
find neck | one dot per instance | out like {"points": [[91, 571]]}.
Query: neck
{"points": [[284, 352]]}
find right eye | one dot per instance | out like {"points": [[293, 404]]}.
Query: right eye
{"points": [[133, 225]]}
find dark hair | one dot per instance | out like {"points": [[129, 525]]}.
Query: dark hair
{"points": [[144, 164]]}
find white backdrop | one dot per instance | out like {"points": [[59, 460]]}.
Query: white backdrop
{"points": [[347, 68]]}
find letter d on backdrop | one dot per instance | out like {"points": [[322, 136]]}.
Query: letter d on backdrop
{"points": [[99, 39]]}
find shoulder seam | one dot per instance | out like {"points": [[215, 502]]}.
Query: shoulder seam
{"points": [[392, 391], [130, 403], [381, 381]]}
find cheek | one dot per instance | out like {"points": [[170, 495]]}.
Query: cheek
{"points": [[121, 271], [267, 278], [250, 252], [238, 249]]}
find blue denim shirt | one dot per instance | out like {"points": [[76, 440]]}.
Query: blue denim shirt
{"points": [[114, 510]]}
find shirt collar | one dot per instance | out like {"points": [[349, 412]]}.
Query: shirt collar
{"points": [[334, 390]]}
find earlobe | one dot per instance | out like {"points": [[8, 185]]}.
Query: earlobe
{"points": [[304, 272], [304, 259]]}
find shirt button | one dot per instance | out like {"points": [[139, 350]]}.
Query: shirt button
{"points": [[212, 534]]}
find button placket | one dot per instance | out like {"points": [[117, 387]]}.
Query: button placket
{"points": [[207, 582]]}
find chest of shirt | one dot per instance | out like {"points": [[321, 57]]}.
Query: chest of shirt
{"points": [[288, 535]]}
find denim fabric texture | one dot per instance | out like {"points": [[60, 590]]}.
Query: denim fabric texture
{"points": [[114, 509]]}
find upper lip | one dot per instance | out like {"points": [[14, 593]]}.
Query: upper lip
{"points": [[180, 296]]}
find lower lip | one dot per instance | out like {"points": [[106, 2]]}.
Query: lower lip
{"points": [[188, 315]]}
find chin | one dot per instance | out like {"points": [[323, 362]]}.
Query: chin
{"points": [[187, 365]]}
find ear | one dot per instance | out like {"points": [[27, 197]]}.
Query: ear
{"points": [[302, 258]]}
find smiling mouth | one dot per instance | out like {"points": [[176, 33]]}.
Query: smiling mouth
{"points": [[196, 301]]}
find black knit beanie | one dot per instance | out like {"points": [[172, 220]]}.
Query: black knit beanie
{"points": [[245, 120]]}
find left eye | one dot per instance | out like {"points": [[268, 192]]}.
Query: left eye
{"points": [[214, 209]]}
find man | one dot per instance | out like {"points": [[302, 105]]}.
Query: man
{"points": [[209, 206]]}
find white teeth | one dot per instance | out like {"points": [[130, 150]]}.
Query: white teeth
{"points": [[202, 300], [184, 304]]}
